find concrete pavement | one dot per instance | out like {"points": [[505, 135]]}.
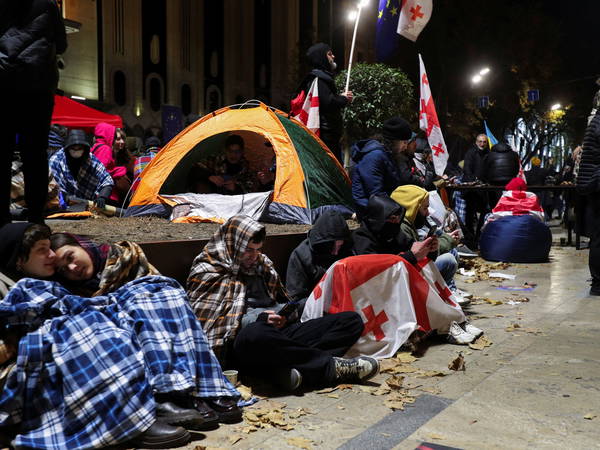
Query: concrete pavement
{"points": [[537, 385]]}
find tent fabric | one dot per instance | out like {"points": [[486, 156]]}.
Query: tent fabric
{"points": [[198, 206], [517, 239], [72, 114], [308, 178]]}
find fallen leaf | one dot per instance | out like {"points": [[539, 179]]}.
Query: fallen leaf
{"points": [[326, 390], [395, 382], [343, 387], [482, 342], [404, 369], [431, 390], [249, 430], [458, 363], [381, 390], [493, 302], [590, 416], [300, 442], [332, 396], [234, 439], [431, 373], [394, 404], [405, 357], [387, 364], [341, 407], [435, 436]]}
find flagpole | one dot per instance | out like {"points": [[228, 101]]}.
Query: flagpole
{"points": [[360, 5]]}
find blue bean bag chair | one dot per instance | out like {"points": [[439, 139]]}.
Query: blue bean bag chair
{"points": [[518, 239]]}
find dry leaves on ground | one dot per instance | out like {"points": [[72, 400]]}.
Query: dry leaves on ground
{"points": [[397, 399], [395, 382], [458, 363], [480, 343], [267, 414], [300, 442], [482, 269], [590, 416]]}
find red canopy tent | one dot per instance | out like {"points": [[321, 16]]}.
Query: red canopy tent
{"points": [[72, 114]]}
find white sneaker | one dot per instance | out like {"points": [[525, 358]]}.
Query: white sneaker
{"points": [[471, 329], [456, 335], [462, 293], [462, 301]]}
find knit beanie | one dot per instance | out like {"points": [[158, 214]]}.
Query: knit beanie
{"points": [[396, 129]]}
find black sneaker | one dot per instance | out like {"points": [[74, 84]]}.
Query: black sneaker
{"points": [[355, 370], [466, 252]]}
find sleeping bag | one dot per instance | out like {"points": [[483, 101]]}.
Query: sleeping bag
{"points": [[518, 239]]}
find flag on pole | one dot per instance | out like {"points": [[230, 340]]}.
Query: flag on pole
{"points": [[490, 137], [493, 141], [309, 113], [392, 296], [386, 33], [414, 15], [428, 121]]}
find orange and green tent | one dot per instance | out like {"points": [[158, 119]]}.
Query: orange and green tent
{"points": [[308, 179]]}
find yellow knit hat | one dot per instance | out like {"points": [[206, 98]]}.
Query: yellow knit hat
{"points": [[535, 161]]}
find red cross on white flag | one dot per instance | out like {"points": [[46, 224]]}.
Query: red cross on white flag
{"points": [[414, 15], [428, 122]]}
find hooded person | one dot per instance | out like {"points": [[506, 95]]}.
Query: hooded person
{"points": [[79, 173], [103, 149], [416, 201], [328, 241], [322, 62], [64, 333], [377, 169], [235, 290]]}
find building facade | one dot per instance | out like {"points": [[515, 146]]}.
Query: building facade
{"points": [[133, 57]]}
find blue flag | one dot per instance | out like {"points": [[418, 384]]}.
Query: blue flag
{"points": [[172, 122], [491, 139], [387, 24]]}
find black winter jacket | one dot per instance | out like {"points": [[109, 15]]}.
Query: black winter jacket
{"points": [[588, 178], [376, 236], [500, 165], [32, 33], [330, 102], [311, 259], [473, 163]]}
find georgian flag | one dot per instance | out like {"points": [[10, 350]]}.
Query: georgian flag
{"points": [[516, 203], [393, 298], [414, 15], [309, 115], [428, 122]]}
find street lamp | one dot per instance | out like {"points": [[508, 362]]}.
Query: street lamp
{"points": [[556, 106], [484, 71], [476, 78]]}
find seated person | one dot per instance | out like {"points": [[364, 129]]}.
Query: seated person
{"points": [[328, 241], [228, 173], [381, 233], [47, 400], [266, 177], [109, 143], [384, 163], [516, 201], [235, 291], [99, 269], [79, 173], [416, 201]]}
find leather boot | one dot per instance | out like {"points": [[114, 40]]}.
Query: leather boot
{"points": [[226, 408], [170, 413], [161, 435]]}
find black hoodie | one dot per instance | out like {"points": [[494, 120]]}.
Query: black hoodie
{"points": [[311, 259], [377, 236], [330, 102]]}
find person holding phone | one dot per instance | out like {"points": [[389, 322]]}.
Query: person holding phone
{"points": [[237, 294]]}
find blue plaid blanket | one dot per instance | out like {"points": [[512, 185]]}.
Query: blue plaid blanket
{"points": [[92, 176], [177, 355], [78, 381]]}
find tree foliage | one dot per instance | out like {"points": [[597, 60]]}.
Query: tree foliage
{"points": [[380, 92]]}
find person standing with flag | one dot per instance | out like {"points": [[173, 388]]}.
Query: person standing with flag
{"points": [[330, 104]]}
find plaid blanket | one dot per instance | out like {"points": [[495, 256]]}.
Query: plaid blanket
{"points": [[79, 382], [92, 176], [177, 356], [125, 262], [214, 286]]}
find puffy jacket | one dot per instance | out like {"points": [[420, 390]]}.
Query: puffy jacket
{"points": [[32, 33], [330, 102], [588, 178], [311, 259], [473, 163], [375, 172], [500, 165]]}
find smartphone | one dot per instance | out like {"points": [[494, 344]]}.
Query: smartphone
{"points": [[288, 309], [432, 231]]}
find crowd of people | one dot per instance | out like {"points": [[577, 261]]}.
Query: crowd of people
{"points": [[97, 348]]}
